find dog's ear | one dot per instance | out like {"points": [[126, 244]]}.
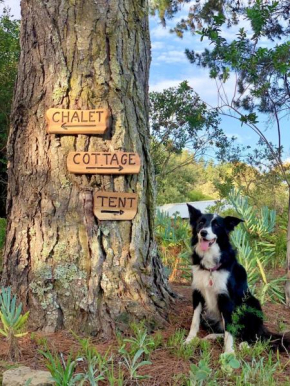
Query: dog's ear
{"points": [[194, 214], [231, 222]]}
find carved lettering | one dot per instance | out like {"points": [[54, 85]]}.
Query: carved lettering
{"points": [[114, 159], [53, 116], [103, 163], [75, 158], [62, 121], [115, 206]]}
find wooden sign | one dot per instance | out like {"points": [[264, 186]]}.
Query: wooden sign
{"points": [[77, 121], [103, 163], [115, 206]]}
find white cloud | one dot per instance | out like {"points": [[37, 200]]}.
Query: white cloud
{"points": [[163, 84], [157, 45], [201, 84], [171, 56], [159, 32]]}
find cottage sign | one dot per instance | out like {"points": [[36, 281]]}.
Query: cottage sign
{"points": [[62, 121], [103, 163], [115, 206]]}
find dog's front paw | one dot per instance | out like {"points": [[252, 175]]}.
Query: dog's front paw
{"points": [[213, 336], [189, 339], [243, 345]]}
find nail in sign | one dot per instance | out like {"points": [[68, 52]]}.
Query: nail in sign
{"points": [[115, 206], [103, 163], [62, 121]]}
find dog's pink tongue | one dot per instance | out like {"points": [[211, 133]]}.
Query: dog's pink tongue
{"points": [[204, 245]]}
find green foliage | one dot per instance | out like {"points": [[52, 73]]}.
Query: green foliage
{"points": [[178, 118], [229, 363], [235, 327], [254, 351], [200, 374], [255, 251], [62, 371], [3, 223], [177, 178], [12, 321], [258, 372], [264, 188], [176, 346], [9, 56], [96, 364], [197, 195], [173, 236], [171, 231], [186, 180], [262, 79], [133, 363], [140, 340]]}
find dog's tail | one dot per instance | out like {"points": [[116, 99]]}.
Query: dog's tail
{"points": [[279, 342]]}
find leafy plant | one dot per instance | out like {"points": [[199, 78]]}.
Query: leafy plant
{"points": [[140, 340], [254, 351], [133, 363], [173, 235], [258, 372], [176, 346], [255, 251], [62, 372], [111, 377], [13, 322], [228, 363], [200, 374], [96, 365]]}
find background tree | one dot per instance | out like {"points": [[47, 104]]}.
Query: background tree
{"points": [[182, 130], [185, 181], [262, 79], [262, 73], [9, 56], [70, 269]]}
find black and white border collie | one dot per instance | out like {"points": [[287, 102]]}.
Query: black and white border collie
{"points": [[220, 288]]}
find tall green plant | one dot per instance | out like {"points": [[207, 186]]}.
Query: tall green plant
{"points": [[13, 322], [62, 371], [255, 251], [173, 236]]}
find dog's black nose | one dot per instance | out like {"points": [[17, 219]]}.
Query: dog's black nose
{"points": [[203, 233]]}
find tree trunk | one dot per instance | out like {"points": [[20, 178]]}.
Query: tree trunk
{"points": [[69, 269]]}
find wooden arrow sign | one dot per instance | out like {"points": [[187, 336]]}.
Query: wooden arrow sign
{"points": [[115, 206], [77, 121], [103, 163]]}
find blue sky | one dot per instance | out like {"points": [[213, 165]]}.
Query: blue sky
{"points": [[170, 66]]}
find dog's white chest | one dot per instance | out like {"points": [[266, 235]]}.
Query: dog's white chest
{"points": [[210, 286]]}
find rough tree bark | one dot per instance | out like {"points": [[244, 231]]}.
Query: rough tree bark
{"points": [[69, 269]]}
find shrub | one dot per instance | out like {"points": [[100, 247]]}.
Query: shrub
{"points": [[13, 322]]}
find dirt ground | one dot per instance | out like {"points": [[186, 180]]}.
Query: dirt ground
{"points": [[165, 366]]}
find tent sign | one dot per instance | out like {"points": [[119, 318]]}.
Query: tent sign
{"points": [[62, 121], [103, 163], [115, 206]]}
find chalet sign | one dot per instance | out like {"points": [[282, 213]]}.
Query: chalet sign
{"points": [[115, 206], [103, 163], [60, 121]]}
